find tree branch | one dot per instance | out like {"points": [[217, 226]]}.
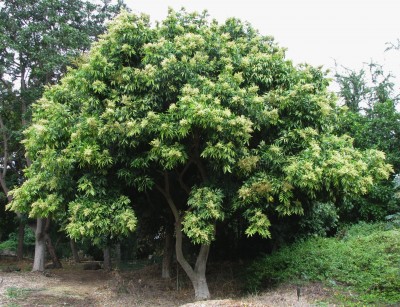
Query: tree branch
{"points": [[166, 193], [179, 253], [181, 174]]}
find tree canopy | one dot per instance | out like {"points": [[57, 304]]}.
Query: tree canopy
{"points": [[38, 39], [211, 116]]}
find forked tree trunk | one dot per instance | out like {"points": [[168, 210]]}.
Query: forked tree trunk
{"points": [[197, 275], [168, 253], [21, 236], [107, 258], [74, 250], [40, 246]]}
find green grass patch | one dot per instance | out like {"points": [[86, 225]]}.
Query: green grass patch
{"points": [[17, 293], [364, 259]]}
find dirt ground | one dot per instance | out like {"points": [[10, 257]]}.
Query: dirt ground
{"points": [[73, 286]]}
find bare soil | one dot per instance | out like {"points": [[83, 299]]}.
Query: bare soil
{"points": [[73, 286]]}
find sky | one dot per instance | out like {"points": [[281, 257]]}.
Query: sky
{"points": [[318, 32]]}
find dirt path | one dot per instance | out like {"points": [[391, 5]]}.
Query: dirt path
{"points": [[73, 286]]}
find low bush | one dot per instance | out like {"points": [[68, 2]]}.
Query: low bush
{"points": [[364, 258]]}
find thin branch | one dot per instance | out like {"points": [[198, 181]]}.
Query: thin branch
{"points": [[181, 174]]}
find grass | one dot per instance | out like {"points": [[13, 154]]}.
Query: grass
{"points": [[363, 260], [17, 293]]}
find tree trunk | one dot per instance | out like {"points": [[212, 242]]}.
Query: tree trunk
{"points": [[107, 258], [118, 254], [201, 291], [21, 236], [197, 275], [74, 250], [52, 252], [168, 253], [40, 246], [50, 247]]}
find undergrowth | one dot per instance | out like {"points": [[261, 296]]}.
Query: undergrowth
{"points": [[364, 258], [12, 242]]}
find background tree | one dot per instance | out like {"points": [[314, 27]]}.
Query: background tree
{"points": [[37, 41], [374, 122], [211, 117]]}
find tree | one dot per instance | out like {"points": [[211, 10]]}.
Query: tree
{"points": [[373, 121], [212, 117], [37, 40]]}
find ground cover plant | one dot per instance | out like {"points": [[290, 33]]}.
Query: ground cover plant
{"points": [[363, 259]]}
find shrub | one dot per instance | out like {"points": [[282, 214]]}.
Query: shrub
{"points": [[321, 219], [366, 259]]}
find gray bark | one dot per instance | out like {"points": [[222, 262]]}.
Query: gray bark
{"points": [[197, 275], [201, 291], [40, 246]]}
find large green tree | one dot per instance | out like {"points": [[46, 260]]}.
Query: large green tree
{"points": [[38, 38], [210, 116]]}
